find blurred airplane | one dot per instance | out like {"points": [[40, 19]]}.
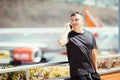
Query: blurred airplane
{"points": [[29, 45]]}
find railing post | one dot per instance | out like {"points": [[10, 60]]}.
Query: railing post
{"points": [[27, 74], [109, 63]]}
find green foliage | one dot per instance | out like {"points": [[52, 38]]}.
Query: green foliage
{"points": [[18, 75], [36, 73]]}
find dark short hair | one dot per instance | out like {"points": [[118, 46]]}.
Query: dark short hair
{"points": [[74, 13]]}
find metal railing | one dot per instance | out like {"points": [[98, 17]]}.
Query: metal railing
{"points": [[26, 68]]}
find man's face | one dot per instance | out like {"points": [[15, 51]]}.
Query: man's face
{"points": [[77, 21]]}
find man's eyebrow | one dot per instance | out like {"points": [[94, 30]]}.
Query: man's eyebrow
{"points": [[75, 19]]}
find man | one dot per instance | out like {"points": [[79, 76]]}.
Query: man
{"points": [[81, 49]]}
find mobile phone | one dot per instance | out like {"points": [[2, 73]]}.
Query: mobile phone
{"points": [[70, 26]]}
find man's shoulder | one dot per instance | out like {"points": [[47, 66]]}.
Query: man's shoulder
{"points": [[71, 32], [88, 31]]}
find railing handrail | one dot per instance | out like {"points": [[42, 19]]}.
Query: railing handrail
{"points": [[25, 67], [108, 56], [18, 68]]}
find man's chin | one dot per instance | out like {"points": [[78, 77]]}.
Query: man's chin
{"points": [[76, 27]]}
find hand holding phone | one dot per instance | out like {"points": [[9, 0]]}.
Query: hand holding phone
{"points": [[70, 26]]}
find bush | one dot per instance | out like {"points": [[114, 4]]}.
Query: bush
{"points": [[37, 73]]}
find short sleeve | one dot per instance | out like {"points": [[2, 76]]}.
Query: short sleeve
{"points": [[94, 45]]}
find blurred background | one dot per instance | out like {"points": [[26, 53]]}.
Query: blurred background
{"points": [[52, 13], [29, 29]]}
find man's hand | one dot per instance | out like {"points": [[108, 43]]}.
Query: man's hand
{"points": [[64, 37], [68, 27]]}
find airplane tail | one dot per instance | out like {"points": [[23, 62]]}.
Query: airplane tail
{"points": [[91, 19]]}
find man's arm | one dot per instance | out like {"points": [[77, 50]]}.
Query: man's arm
{"points": [[94, 59], [64, 37]]}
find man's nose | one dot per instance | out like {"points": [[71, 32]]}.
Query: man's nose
{"points": [[74, 22]]}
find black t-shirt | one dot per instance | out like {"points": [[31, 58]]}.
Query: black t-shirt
{"points": [[79, 48]]}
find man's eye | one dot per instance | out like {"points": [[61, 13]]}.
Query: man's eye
{"points": [[75, 20]]}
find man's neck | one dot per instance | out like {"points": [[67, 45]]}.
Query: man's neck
{"points": [[79, 30]]}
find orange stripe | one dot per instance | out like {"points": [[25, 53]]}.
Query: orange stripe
{"points": [[91, 19]]}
